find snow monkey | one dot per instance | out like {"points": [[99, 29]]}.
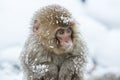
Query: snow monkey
{"points": [[54, 50]]}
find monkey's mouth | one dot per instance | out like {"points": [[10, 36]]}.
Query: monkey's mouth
{"points": [[67, 47]]}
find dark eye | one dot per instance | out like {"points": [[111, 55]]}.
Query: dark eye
{"points": [[69, 30], [60, 31]]}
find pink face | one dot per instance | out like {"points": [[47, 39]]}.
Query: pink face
{"points": [[64, 36]]}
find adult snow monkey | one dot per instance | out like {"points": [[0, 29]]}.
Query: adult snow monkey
{"points": [[54, 49]]}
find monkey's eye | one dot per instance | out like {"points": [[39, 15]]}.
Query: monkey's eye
{"points": [[68, 30], [60, 31]]}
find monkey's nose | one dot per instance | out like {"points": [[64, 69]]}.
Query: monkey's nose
{"points": [[66, 41]]}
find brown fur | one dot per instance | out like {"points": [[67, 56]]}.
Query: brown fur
{"points": [[41, 46]]}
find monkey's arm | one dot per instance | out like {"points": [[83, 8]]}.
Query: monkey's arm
{"points": [[41, 71], [38, 68], [71, 69]]}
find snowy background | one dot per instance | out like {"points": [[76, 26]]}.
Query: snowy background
{"points": [[99, 23]]}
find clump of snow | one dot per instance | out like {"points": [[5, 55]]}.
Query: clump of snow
{"points": [[51, 46], [40, 68], [65, 19]]}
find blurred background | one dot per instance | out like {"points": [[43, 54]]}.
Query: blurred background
{"points": [[99, 24]]}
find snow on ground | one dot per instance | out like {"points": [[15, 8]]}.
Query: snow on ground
{"points": [[9, 64], [105, 11], [103, 43], [103, 46]]}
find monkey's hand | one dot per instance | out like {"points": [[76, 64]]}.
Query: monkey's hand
{"points": [[71, 69], [45, 71]]}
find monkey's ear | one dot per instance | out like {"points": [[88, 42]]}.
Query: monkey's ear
{"points": [[35, 26]]}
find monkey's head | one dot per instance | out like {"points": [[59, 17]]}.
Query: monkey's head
{"points": [[55, 28]]}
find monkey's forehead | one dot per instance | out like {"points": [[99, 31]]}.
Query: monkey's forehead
{"points": [[55, 9], [55, 14]]}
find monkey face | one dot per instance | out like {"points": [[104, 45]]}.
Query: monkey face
{"points": [[64, 37], [55, 27]]}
